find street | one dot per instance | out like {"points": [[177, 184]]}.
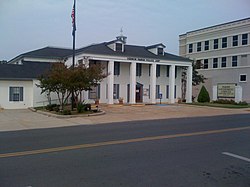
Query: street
{"points": [[199, 151]]}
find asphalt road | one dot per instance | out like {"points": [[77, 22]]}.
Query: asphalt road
{"points": [[203, 151]]}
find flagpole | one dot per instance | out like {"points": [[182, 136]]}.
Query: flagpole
{"points": [[73, 15], [73, 33]]}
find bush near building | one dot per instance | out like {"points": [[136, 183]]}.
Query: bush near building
{"points": [[203, 95], [232, 102]]}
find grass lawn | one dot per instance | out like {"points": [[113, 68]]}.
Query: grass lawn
{"points": [[220, 105]]}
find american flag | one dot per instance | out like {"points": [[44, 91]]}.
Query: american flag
{"points": [[73, 19]]}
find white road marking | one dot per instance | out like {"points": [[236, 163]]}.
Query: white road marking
{"points": [[236, 156]]}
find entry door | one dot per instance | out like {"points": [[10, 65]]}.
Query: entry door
{"points": [[139, 89]]}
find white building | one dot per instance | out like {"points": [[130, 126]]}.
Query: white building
{"points": [[223, 52], [138, 74]]}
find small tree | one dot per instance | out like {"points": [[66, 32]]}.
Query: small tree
{"points": [[203, 95], [196, 78], [63, 80], [56, 80], [84, 78]]}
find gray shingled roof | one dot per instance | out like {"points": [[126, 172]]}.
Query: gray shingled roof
{"points": [[102, 49], [129, 51], [26, 71], [50, 52], [46, 52]]}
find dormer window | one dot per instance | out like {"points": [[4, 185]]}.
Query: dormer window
{"points": [[160, 51], [118, 47], [156, 49]]}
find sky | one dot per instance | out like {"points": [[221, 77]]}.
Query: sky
{"points": [[26, 25]]}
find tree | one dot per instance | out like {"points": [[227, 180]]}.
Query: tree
{"points": [[84, 78], [203, 95], [63, 80], [196, 78], [56, 80]]}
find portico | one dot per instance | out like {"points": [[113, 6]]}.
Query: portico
{"points": [[143, 79]]}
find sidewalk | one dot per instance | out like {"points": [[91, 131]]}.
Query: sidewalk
{"points": [[11, 120]]}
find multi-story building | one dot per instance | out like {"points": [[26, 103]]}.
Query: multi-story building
{"points": [[222, 52]]}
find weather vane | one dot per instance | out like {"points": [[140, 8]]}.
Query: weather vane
{"points": [[121, 31]]}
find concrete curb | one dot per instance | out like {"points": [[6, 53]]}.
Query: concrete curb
{"points": [[66, 116], [213, 107]]}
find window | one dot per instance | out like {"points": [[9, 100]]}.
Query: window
{"points": [[243, 78], [235, 40], [149, 70], [16, 94], [118, 47], [117, 68], [157, 94], [198, 64], [94, 93], [158, 70], [160, 51], [234, 61], [80, 61], [243, 60], [244, 39], [205, 64], [190, 48], [116, 91], [149, 91], [138, 69], [216, 43], [224, 62], [167, 71], [215, 63], [224, 42], [206, 45], [167, 91], [198, 46]]}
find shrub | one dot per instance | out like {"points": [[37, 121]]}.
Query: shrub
{"points": [[66, 112], [56, 108], [232, 102], [243, 103], [203, 95], [50, 107], [80, 107], [225, 101], [83, 107]]}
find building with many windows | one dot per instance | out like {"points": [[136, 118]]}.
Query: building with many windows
{"points": [[138, 74], [222, 52]]}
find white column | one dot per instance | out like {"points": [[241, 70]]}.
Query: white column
{"points": [[152, 82], [238, 94], [171, 83], [215, 93], [110, 81], [189, 84], [132, 82]]}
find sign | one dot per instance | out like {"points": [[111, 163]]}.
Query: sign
{"points": [[226, 90], [143, 59], [145, 92]]}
